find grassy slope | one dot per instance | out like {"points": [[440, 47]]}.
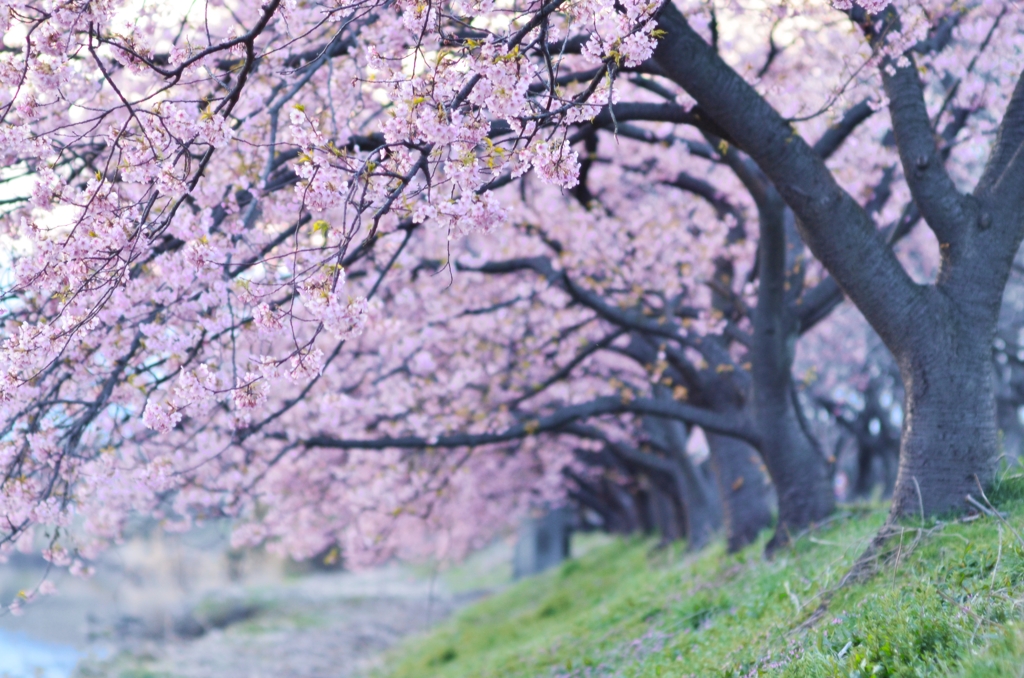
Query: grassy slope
{"points": [[951, 603]]}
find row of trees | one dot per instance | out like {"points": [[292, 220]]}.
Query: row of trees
{"points": [[365, 273]]}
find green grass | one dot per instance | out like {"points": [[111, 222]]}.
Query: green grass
{"points": [[947, 600]]}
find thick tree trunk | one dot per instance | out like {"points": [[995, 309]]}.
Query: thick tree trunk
{"points": [[865, 470], [1010, 430], [800, 472], [798, 469], [950, 437], [542, 543], [877, 464], [877, 440], [702, 512], [743, 487]]}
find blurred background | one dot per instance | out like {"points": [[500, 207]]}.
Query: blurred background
{"points": [[189, 604]]}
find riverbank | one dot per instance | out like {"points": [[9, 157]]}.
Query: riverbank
{"points": [[186, 606]]}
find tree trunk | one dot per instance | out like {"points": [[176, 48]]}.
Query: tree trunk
{"points": [[669, 517], [542, 543], [1010, 430], [645, 508], [631, 504], [950, 437], [865, 469], [743, 487], [799, 470], [702, 513], [593, 496]]}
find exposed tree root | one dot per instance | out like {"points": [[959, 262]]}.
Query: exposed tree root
{"points": [[883, 550]]}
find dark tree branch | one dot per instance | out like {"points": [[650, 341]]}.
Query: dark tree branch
{"points": [[664, 328], [773, 51], [943, 207], [835, 135], [567, 369], [709, 193], [837, 229], [555, 423], [651, 112], [998, 178], [654, 86]]}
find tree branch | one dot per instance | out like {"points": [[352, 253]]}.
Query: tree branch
{"points": [[555, 423], [651, 112], [1009, 141], [941, 204], [836, 228], [835, 135]]}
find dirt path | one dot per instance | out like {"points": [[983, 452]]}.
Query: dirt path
{"points": [[319, 626], [183, 607]]}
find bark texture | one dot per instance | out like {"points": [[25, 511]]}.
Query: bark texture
{"points": [[950, 436]]}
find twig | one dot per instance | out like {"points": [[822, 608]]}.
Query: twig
{"points": [[999, 555], [981, 507], [896, 569], [999, 515], [920, 500], [963, 608]]}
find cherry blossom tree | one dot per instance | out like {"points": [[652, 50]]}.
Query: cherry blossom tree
{"points": [[227, 228], [940, 333]]}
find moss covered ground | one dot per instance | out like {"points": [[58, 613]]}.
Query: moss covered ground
{"points": [[945, 598]]}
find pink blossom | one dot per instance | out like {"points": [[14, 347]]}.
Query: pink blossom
{"points": [[558, 165], [161, 417], [265, 318], [250, 391]]}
